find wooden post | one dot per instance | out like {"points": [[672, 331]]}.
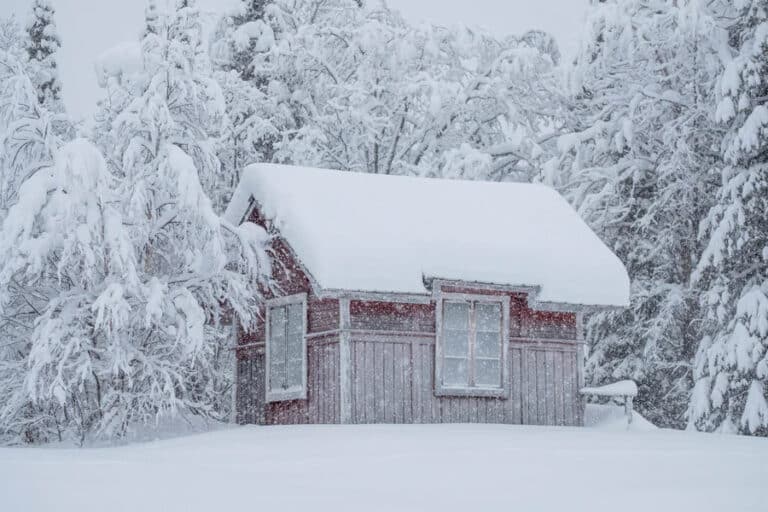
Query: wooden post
{"points": [[345, 362], [628, 410]]}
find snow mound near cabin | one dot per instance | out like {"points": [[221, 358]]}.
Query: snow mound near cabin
{"points": [[371, 232], [612, 417], [376, 468]]}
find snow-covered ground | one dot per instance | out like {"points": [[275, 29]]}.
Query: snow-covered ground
{"points": [[441, 468]]}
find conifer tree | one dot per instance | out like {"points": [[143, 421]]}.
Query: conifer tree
{"points": [[151, 19], [243, 56], [637, 166], [731, 392], [43, 45], [252, 16]]}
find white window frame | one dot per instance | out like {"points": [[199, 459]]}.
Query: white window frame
{"points": [[292, 394], [476, 391]]}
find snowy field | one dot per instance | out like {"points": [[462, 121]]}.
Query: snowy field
{"points": [[443, 468]]}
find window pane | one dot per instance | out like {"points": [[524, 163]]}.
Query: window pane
{"points": [[456, 316], [294, 362], [488, 373], [455, 372], [276, 374], [294, 373], [488, 317], [295, 320], [277, 347], [277, 321], [456, 343], [488, 345], [294, 345]]}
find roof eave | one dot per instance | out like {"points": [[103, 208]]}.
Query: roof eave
{"points": [[531, 292]]}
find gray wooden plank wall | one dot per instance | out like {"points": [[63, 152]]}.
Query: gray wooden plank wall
{"points": [[393, 382], [250, 394], [322, 404]]}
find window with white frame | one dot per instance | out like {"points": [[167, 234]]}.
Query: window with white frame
{"points": [[286, 373], [472, 345]]}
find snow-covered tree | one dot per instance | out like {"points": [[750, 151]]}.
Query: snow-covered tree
{"points": [[343, 84], [27, 144], [251, 33], [26, 137], [375, 94], [131, 294], [135, 279], [60, 241], [638, 166], [10, 34], [174, 88], [152, 22], [42, 46], [731, 392], [243, 52], [163, 139]]}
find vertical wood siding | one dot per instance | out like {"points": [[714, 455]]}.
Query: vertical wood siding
{"points": [[392, 352], [250, 394], [393, 382], [322, 403]]}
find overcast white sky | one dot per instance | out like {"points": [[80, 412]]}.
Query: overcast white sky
{"points": [[88, 27]]}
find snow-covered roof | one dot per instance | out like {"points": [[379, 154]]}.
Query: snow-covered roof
{"points": [[377, 233]]}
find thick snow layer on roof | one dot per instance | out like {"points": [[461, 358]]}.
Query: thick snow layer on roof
{"points": [[369, 232]]}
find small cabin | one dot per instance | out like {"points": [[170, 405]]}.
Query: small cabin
{"points": [[417, 300]]}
